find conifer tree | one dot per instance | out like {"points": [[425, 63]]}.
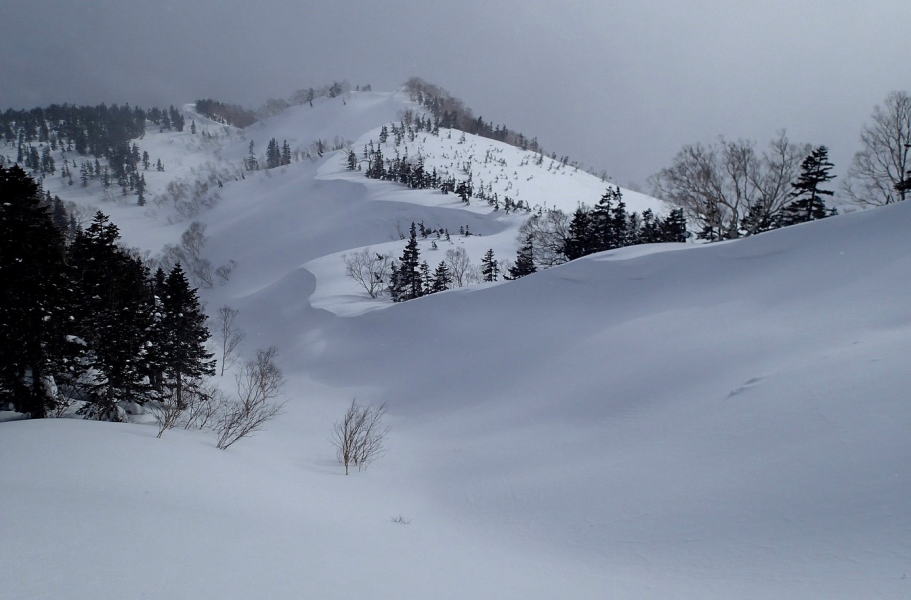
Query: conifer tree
{"points": [[758, 219], [59, 216], [649, 233], [442, 278], [286, 153], [141, 190], [580, 235], [619, 223], [490, 270], [673, 227], [809, 203], [601, 236], [426, 278], [273, 155], [525, 263], [113, 309], [406, 282], [33, 317], [47, 161], [185, 356]]}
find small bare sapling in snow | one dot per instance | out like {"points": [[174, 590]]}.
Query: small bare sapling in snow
{"points": [[359, 436], [228, 334], [258, 385], [168, 412]]}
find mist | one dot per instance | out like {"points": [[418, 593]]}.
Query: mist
{"points": [[619, 86]]}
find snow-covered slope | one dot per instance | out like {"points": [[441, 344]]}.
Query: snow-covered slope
{"points": [[668, 421]]}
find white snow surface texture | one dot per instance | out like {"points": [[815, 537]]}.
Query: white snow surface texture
{"points": [[668, 421]]}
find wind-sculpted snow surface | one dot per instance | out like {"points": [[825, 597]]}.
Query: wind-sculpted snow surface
{"points": [[664, 421]]}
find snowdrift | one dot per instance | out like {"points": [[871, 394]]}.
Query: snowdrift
{"points": [[719, 421]]}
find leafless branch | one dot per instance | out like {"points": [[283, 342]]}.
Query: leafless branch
{"points": [[359, 436], [258, 384]]}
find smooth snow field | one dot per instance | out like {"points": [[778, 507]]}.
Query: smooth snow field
{"points": [[667, 421]]}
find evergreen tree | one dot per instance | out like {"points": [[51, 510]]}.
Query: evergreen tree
{"points": [[33, 318], [406, 282], [47, 162], [177, 120], [442, 278], [650, 231], [140, 190], [525, 263], [113, 312], [286, 153], [464, 192], [758, 219], [59, 216], [620, 231], [673, 227], [426, 278], [490, 270], [601, 223], [809, 203], [580, 235], [273, 155], [184, 354]]}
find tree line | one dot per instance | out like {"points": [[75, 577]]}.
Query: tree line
{"points": [[229, 114], [608, 225], [450, 112], [96, 130], [730, 189], [103, 131]]}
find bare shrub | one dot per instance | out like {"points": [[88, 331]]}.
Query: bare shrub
{"points": [[258, 384], [548, 232], [459, 266], [203, 404], [369, 269], [359, 436], [227, 334], [189, 254], [167, 412]]}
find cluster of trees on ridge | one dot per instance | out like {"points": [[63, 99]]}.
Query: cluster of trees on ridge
{"points": [[412, 173], [730, 189], [546, 239], [105, 132]]}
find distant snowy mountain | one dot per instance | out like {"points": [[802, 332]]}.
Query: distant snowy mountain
{"points": [[661, 421]]}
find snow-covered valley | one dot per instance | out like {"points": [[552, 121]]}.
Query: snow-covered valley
{"points": [[726, 420]]}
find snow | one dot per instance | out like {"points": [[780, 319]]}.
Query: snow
{"points": [[666, 421]]}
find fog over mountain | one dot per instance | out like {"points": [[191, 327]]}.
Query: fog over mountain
{"points": [[618, 85]]}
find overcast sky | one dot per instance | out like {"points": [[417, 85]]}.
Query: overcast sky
{"points": [[620, 85]]}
